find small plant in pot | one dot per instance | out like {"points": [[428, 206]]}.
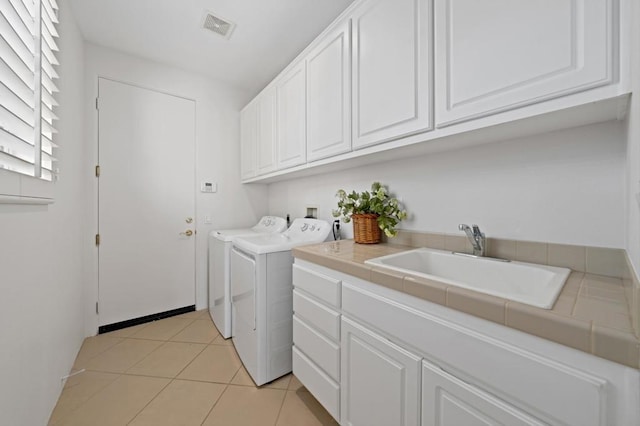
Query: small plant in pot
{"points": [[372, 211]]}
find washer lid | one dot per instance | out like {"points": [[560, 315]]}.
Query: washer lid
{"points": [[270, 225], [266, 225], [230, 234], [301, 232]]}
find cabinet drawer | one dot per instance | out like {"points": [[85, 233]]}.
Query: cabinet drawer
{"points": [[492, 364], [321, 286], [321, 350], [320, 317], [325, 390]]}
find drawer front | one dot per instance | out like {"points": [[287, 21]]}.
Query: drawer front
{"points": [[321, 286], [319, 316], [324, 352], [492, 363], [323, 388]]}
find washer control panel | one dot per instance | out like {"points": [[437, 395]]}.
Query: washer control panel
{"points": [[307, 229]]}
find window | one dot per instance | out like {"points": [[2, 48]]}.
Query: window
{"points": [[27, 88]]}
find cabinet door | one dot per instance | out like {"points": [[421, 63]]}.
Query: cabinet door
{"points": [[329, 96], [266, 137], [380, 382], [391, 70], [496, 55], [291, 118], [448, 401], [248, 139]]}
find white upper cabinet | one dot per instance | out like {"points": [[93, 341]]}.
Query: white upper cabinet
{"points": [[329, 95], [266, 132], [248, 141], [497, 55], [392, 73], [391, 70], [291, 118]]}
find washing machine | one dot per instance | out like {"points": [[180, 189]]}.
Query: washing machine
{"points": [[262, 297], [219, 280]]}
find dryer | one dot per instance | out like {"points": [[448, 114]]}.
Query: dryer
{"points": [[262, 297], [219, 279]]}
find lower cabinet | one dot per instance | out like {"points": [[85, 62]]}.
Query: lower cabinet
{"points": [[373, 356], [448, 401], [380, 381]]}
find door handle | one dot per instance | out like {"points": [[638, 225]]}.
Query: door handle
{"points": [[188, 233]]}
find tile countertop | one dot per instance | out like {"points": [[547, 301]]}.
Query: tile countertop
{"points": [[591, 313]]}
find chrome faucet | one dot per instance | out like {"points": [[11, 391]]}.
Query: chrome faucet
{"points": [[477, 238]]}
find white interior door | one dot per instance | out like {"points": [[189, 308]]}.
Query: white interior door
{"points": [[146, 202]]}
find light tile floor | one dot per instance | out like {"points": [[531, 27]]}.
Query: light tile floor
{"points": [[177, 371]]}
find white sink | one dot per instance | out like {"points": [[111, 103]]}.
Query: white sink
{"points": [[535, 285]]}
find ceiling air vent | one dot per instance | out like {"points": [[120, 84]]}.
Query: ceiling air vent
{"points": [[218, 25]]}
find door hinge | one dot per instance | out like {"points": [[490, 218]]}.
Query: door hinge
{"points": [[97, 239], [97, 310], [97, 103], [97, 171]]}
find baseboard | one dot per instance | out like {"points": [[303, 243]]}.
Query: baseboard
{"points": [[148, 318]]}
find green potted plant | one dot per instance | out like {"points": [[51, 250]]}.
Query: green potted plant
{"points": [[372, 211]]}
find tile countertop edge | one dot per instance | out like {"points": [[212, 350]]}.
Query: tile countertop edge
{"points": [[557, 324]]}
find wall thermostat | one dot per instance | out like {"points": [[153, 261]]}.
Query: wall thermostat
{"points": [[208, 187]]}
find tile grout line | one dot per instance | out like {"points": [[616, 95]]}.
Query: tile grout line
{"points": [[146, 356], [236, 373], [171, 380], [157, 321], [214, 404], [152, 399], [124, 339], [191, 362], [120, 374], [182, 329], [281, 405], [204, 346], [506, 312], [88, 399], [95, 355], [575, 303], [143, 358]]}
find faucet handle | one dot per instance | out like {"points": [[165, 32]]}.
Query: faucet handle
{"points": [[476, 230]]}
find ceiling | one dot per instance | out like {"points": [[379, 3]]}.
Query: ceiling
{"points": [[268, 33]]}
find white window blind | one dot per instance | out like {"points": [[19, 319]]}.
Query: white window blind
{"points": [[27, 86]]}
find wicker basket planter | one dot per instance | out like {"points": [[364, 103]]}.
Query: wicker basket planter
{"points": [[372, 213], [366, 229]]}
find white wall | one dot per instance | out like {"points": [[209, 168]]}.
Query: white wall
{"points": [[633, 148], [41, 313], [217, 152], [563, 187]]}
